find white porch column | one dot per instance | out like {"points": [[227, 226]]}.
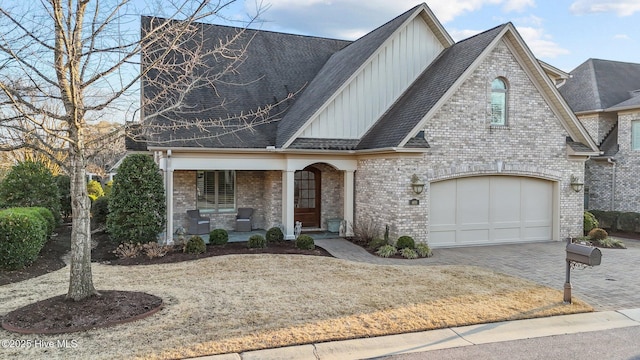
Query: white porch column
{"points": [[288, 184], [169, 199], [348, 201]]}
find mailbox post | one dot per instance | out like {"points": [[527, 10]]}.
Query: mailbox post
{"points": [[581, 254]]}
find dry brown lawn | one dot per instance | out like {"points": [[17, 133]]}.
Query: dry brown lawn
{"points": [[244, 302]]}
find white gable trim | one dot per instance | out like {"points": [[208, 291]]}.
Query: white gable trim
{"points": [[432, 23]]}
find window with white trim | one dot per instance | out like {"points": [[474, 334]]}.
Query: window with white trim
{"points": [[216, 190], [498, 102], [635, 135]]}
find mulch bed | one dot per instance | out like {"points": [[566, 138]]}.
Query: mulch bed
{"points": [[104, 252], [58, 315]]}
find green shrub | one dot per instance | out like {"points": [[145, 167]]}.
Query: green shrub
{"points": [[38, 216], [386, 251], [94, 190], [44, 216], [22, 236], [408, 253], [423, 250], [405, 242], [598, 234], [64, 188], [195, 245], [628, 222], [589, 222], [31, 184], [100, 211], [257, 242], [218, 237], [108, 187], [274, 234], [305, 242], [137, 202], [376, 243], [607, 220]]}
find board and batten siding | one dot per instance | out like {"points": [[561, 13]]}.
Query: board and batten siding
{"points": [[353, 110]]}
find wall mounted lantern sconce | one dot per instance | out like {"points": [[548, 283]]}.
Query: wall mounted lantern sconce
{"points": [[417, 185], [576, 184]]}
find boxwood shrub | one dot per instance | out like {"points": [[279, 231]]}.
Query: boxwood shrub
{"points": [[218, 237], [305, 242], [22, 236], [257, 242], [274, 234], [404, 242]]}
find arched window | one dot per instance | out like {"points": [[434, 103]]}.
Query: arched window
{"points": [[498, 102]]}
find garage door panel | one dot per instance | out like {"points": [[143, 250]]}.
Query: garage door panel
{"points": [[473, 201], [505, 200], [443, 237], [443, 194], [475, 236], [490, 209]]}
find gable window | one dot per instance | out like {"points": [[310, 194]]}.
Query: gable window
{"points": [[635, 135], [498, 102], [216, 190]]}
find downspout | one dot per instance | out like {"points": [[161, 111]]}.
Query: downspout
{"points": [[612, 161]]}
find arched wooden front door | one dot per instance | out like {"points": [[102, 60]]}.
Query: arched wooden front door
{"points": [[307, 197]]}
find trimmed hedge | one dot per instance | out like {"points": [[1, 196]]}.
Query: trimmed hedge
{"points": [[613, 221], [23, 233], [31, 184], [305, 242]]}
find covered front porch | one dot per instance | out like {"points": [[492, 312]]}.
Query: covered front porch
{"points": [[282, 189]]}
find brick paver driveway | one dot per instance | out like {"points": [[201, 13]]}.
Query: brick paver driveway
{"points": [[613, 285]]}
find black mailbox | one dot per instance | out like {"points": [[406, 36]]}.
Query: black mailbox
{"points": [[584, 254]]}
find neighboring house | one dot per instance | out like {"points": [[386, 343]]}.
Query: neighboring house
{"points": [[480, 122], [605, 95]]}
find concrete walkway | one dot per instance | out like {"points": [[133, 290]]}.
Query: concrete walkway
{"points": [[610, 287]]}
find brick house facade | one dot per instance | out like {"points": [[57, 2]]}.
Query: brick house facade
{"points": [[604, 95], [350, 145]]}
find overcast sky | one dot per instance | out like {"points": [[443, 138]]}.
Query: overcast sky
{"points": [[563, 33]]}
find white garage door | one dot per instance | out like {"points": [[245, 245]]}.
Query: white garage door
{"points": [[490, 210]]}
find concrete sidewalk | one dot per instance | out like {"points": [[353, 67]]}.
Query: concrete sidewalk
{"points": [[446, 338]]}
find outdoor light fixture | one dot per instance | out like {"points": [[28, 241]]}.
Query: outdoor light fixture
{"points": [[576, 184], [417, 185]]}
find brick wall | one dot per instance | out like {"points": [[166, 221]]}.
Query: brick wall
{"points": [[260, 190], [464, 144], [627, 191]]}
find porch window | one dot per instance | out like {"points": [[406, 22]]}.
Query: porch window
{"points": [[498, 102], [216, 190], [635, 135]]}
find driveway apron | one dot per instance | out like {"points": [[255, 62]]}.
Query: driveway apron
{"points": [[612, 285]]}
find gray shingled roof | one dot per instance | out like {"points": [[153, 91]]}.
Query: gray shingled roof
{"points": [[334, 74], [600, 84], [425, 92], [324, 144], [276, 65]]}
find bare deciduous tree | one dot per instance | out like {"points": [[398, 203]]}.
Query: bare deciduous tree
{"points": [[65, 65]]}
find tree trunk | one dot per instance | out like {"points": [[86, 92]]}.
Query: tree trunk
{"points": [[80, 281]]}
